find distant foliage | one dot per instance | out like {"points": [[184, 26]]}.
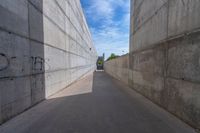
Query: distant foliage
{"points": [[112, 56], [100, 62]]}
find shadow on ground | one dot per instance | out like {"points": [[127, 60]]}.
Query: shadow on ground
{"points": [[96, 104]]}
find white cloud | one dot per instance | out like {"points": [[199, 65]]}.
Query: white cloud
{"points": [[100, 9], [111, 40], [112, 36]]}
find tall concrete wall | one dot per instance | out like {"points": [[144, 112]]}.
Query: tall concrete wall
{"points": [[45, 45], [118, 68], [164, 59]]}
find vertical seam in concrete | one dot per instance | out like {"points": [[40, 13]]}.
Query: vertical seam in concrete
{"points": [[168, 17], [130, 27], [29, 36], [187, 20], [166, 47]]}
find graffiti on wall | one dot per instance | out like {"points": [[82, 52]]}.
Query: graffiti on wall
{"points": [[4, 62], [37, 62]]}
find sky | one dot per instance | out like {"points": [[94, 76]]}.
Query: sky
{"points": [[108, 21]]}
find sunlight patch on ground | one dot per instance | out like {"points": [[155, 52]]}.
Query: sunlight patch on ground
{"points": [[83, 86]]}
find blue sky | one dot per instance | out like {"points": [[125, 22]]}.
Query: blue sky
{"points": [[108, 21]]}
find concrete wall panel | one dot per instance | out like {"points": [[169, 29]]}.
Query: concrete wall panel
{"points": [[55, 81], [52, 10], [15, 56], [152, 31], [45, 47], [183, 58], [151, 61], [15, 16], [14, 92], [149, 85], [55, 59], [183, 16], [37, 88], [36, 24], [145, 10], [182, 99], [53, 35]]}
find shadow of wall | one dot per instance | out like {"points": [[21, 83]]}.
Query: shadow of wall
{"points": [[22, 83]]}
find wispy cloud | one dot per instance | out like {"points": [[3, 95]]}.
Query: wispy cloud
{"points": [[109, 24]]}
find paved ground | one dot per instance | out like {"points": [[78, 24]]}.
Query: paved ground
{"points": [[96, 104]]}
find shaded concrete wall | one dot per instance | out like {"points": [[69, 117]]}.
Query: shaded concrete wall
{"points": [[45, 45], [118, 68], [165, 55]]}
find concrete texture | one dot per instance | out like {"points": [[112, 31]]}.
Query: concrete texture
{"points": [[96, 104], [118, 68], [45, 46], [164, 55]]}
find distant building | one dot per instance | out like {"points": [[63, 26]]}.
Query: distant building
{"points": [[100, 62]]}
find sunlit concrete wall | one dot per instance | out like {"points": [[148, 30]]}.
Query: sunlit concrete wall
{"points": [[45, 45], [164, 58]]}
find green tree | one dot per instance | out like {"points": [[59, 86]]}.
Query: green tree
{"points": [[112, 56], [100, 62]]}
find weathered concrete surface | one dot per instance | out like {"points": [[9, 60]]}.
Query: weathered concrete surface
{"points": [[164, 59], [45, 46], [118, 68], [96, 104], [164, 55], [183, 16]]}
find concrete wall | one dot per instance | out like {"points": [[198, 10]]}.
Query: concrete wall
{"points": [[118, 68], [45, 45], [165, 55]]}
